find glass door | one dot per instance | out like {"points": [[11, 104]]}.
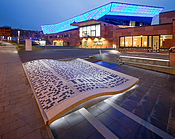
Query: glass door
{"points": [[85, 43], [155, 46]]}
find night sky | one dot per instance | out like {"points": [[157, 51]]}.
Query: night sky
{"points": [[30, 14]]}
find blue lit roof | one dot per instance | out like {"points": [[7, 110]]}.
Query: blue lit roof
{"points": [[112, 8]]}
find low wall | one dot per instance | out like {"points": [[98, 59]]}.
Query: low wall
{"points": [[172, 59]]}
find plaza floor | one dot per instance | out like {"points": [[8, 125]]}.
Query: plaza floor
{"points": [[147, 111], [153, 101], [19, 115]]}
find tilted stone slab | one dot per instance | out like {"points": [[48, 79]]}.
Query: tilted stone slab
{"points": [[60, 86]]}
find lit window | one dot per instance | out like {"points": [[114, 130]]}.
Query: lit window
{"points": [[98, 30], [136, 41], [93, 33], [89, 31], [132, 23], [80, 32], [128, 41], [122, 42], [144, 41]]}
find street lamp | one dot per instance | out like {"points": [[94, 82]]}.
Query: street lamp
{"points": [[18, 36]]}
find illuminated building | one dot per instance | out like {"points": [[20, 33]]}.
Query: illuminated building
{"points": [[5, 32], [115, 25]]}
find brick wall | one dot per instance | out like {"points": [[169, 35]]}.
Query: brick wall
{"points": [[166, 17], [71, 36], [165, 29], [174, 32], [5, 31], [107, 37]]}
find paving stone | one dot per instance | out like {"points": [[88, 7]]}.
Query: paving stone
{"points": [[95, 111], [74, 118], [82, 130], [103, 106], [16, 99], [32, 135], [118, 129], [116, 115], [95, 135], [143, 133], [105, 118], [128, 104], [10, 135]]}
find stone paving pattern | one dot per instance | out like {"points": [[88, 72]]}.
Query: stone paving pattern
{"points": [[57, 54], [153, 100], [19, 114]]}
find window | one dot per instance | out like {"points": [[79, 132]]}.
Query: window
{"points": [[166, 41], [80, 32], [98, 30], [128, 41], [93, 33], [87, 31], [155, 43], [60, 36], [132, 23], [84, 34], [65, 35], [136, 41], [122, 42], [150, 41], [144, 41]]}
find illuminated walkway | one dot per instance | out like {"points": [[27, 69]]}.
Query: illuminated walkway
{"points": [[19, 115]]}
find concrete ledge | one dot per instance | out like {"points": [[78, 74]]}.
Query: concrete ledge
{"points": [[164, 69], [152, 61]]}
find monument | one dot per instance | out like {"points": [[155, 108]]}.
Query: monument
{"points": [[60, 86]]}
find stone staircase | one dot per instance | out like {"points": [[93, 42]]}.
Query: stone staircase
{"points": [[151, 61], [156, 64]]}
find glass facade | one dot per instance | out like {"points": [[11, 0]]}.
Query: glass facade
{"points": [[144, 41], [90, 31], [154, 42], [112, 9], [128, 41], [122, 41], [136, 41]]}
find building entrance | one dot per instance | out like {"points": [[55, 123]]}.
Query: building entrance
{"points": [[155, 45], [85, 43]]}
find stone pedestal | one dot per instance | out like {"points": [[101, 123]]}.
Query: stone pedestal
{"points": [[28, 45], [172, 59]]}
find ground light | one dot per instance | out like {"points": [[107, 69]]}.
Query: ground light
{"points": [[104, 105], [145, 58]]}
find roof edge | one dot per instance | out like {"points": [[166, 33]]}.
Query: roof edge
{"points": [[138, 5]]}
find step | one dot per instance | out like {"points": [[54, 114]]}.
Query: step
{"points": [[164, 69], [145, 60]]}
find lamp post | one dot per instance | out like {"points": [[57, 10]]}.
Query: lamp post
{"points": [[18, 36]]}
